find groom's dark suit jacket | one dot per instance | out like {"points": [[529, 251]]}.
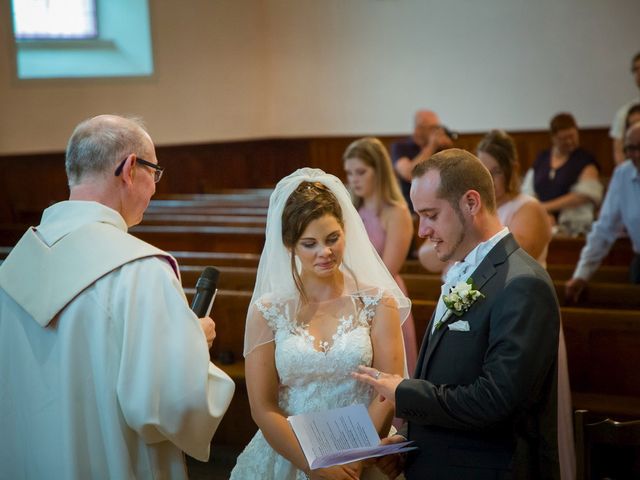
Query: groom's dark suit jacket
{"points": [[483, 403]]}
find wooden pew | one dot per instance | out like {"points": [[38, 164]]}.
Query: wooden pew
{"points": [[246, 196], [10, 233], [596, 295], [216, 259], [204, 220], [198, 209], [567, 250], [231, 277], [197, 238], [602, 347], [193, 258], [604, 274], [229, 313], [427, 286]]}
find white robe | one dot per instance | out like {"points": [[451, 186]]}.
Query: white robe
{"points": [[117, 383]]}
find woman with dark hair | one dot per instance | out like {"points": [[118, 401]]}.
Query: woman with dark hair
{"points": [[565, 179], [323, 304]]}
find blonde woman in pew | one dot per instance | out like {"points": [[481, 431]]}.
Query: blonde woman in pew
{"points": [[384, 212], [324, 302], [528, 222]]}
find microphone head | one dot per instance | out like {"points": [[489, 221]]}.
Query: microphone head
{"points": [[208, 279]]}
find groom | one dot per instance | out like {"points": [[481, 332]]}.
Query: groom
{"points": [[482, 403]]}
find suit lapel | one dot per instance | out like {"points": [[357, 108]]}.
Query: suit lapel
{"points": [[481, 275]]}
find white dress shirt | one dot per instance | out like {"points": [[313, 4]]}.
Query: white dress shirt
{"points": [[621, 208], [461, 271]]}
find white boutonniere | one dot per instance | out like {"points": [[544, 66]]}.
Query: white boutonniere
{"points": [[459, 300]]}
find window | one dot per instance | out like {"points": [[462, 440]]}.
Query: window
{"points": [[54, 19], [82, 38]]}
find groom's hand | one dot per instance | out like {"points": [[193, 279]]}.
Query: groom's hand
{"points": [[384, 383], [337, 472], [392, 465]]}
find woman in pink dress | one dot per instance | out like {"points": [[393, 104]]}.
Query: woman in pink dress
{"points": [[384, 212]]}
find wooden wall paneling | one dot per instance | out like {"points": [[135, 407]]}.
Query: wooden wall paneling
{"points": [[32, 182]]}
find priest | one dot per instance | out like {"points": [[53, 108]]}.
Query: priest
{"points": [[104, 369]]}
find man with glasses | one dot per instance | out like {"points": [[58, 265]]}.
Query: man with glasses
{"points": [[105, 369], [620, 209]]}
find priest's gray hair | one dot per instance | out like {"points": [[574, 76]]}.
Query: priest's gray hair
{"points": [[99, 144]]}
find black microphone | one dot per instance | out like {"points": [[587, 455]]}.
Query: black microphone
{"points": [[206, 289]]}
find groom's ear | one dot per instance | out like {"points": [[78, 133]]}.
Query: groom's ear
{"points": [[471, 202]]}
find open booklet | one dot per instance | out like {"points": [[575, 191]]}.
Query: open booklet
{"points": [[342, 435]]}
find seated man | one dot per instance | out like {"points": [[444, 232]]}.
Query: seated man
{"points": [[429, 137]]}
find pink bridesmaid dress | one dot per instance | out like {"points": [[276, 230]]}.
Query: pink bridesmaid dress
{"points": [[378, 237]]}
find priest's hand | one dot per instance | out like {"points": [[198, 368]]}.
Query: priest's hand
{"points": [[209, 329], [384, 383]]}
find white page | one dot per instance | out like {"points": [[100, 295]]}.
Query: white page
{"points": [[338, 436]]}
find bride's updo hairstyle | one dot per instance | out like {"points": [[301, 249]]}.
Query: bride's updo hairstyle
{"points": [[308, 202]]}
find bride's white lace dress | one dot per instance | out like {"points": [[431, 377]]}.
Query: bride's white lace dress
{"points": [[312, 377]]}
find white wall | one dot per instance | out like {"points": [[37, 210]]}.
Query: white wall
{"points": [[209, 62], [480, 63], [228, 69]]}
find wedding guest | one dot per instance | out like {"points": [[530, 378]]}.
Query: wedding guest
{"points": [[324, 302], [565, 179], [429, 136], [385, 215], [620, 211]]}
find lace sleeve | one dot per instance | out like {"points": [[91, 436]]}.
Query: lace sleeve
{"points": [[274, 313], [370, 301]]}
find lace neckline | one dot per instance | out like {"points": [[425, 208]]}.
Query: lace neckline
{"points": [[323, 346], [358, 313]]}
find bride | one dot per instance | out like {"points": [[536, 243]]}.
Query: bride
{"points": [[323, 304]]}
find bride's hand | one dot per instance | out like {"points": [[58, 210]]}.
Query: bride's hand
{"points": [[337, 472]]}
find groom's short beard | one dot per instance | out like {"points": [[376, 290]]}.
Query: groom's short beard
{"points": [[461, 237]]}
